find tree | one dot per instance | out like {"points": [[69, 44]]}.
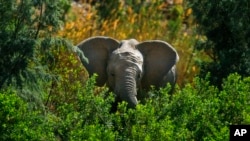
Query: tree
{"points": [[24, 24], [26, 29], [225, 23]]}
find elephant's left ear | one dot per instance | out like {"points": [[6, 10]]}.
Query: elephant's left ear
{"points": [[159, 58]]}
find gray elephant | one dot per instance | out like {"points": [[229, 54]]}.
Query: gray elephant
{"points": [[128, 65]]}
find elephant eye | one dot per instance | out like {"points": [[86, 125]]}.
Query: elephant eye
{"points": [[112, 74], [139, 75]]}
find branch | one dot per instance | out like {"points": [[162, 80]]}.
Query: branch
{"points": [[39, 21]]}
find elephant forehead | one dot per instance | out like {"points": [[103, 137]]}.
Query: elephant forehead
{"points": [[128, 58], [136, 60]]}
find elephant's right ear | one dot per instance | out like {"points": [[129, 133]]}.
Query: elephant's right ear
{"points": [[97, 50]]}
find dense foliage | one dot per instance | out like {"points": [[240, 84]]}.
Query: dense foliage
{"points": [[225, 23], [26, 29], [45, 93], [24, 24], [196, 112]]}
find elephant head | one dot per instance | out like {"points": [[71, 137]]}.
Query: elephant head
{"points": [[129, 65]]}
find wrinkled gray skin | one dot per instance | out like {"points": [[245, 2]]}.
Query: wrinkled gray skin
{"points": [[128, 65]]}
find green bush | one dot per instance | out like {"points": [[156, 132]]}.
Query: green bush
{"points": [[199, 111], [88, 117], [19, 122]]}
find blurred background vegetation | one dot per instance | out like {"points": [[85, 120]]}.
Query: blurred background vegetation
{"points": [[45, 93], [142, 20]]}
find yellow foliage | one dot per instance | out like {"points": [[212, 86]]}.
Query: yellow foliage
{"points": [[188, 12]]}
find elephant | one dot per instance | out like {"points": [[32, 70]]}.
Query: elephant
{"points": [[128, 65]]}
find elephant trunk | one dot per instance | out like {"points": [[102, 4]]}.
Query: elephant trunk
{"points": [[128, 91]]}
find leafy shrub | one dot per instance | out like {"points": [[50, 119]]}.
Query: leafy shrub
{"points": [[19, 122], [199, 111], [88, 113], [207, 112]]}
